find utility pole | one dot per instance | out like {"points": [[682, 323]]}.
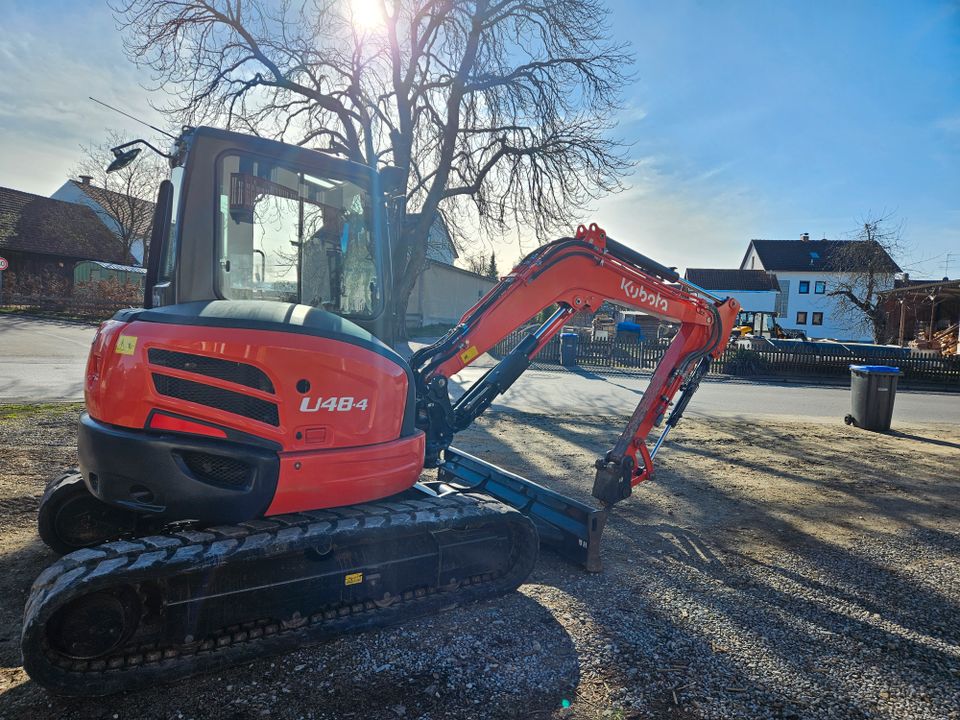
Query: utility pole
{"points": [[933, 308], [903, 319]]}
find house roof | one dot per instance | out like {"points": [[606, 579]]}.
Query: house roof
{"points": [[728, 279], [120, 268], [811, 255], [439, 241], [900, 283], [924, 287], [462, 271], [121, 204], [36, 224]]}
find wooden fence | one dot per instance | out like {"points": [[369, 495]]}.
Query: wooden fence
{"points": [[831, 361]]}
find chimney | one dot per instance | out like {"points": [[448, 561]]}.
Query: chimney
{"points": [[85, 179], [805, 237]]}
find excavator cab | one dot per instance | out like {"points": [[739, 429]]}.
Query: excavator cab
{"points": [[246, 218]]}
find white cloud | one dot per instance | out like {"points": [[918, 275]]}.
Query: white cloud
{"points": [[49, 67], [950, 123], [631, 113], [700, 220]]}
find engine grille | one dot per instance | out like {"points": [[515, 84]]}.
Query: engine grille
{"points": [[229, 370], [227, 400], [217, 469]]}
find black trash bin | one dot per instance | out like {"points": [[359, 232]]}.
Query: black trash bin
{"points": [[873, 389], [569, 342]]}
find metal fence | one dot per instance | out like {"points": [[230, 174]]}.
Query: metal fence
{"points": [[804, 361]]}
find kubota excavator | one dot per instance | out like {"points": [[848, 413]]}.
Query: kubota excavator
{"points": [[251, 454]]}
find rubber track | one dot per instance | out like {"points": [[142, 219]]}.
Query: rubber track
{"points": [[150, 558]]}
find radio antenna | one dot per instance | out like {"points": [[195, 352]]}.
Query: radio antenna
{"points": [[152, 127]]}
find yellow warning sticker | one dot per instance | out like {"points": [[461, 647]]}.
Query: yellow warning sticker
{"points": [[126, 344], [469, 354], [353, 579]]}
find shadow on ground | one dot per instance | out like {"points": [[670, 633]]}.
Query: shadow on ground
{"points": [[775, 570]]}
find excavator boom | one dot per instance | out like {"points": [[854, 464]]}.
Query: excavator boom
{"points": [[574, 274]]}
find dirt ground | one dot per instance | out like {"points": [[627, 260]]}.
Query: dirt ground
{"points": [[771, 569]]}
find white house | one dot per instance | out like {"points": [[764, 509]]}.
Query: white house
{"points": [[444, 292], [757, 291], [109, 205], [806, 273]]}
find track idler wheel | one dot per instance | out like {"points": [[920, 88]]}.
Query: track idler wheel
{"points": [[71, 518], [93, 625]]}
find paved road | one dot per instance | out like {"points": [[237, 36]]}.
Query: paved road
{"points": [[583, 392], [42, 360]]}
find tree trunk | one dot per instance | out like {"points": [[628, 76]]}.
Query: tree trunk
{"points": [[879, 327], [409, 260]]}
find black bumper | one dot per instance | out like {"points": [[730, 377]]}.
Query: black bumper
{"points": [[174, 477]]}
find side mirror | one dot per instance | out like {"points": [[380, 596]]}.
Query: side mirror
{"points": [[122, 158]]}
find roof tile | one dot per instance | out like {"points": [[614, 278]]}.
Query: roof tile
{"points": [[808, 255], [729, 279], [36, 224]]}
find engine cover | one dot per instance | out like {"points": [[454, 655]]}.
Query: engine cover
{"points": [[334, 404]]}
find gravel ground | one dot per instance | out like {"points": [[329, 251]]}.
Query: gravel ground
{"points": [[771, 570]]}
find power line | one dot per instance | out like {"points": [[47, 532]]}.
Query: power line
{"points": [[126, 114]]}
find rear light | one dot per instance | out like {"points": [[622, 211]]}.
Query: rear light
{"points": [[101, 341], [162, 421]]}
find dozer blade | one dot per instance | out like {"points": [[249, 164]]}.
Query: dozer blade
{"points": [[129, 614], [570, 527]]}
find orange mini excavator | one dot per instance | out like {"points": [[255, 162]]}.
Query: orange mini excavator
{"points": [[252, 456]]}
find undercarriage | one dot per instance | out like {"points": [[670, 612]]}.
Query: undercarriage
{"points": [[131, 613]]}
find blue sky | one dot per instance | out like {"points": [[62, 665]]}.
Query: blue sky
{"points": [[747, 119]]}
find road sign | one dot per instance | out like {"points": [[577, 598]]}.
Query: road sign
{"points": [[4, 264]]}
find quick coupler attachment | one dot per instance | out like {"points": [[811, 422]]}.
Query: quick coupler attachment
{"points": [[612, 482], [567, 526]]}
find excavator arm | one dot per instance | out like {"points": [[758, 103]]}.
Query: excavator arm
{"points": [[574, 274]]}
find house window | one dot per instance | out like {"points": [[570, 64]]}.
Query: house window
{"points": [[817, 318], [802, 318], [804, 287], [819, 288]]}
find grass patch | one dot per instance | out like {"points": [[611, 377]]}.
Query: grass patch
{"points": [[25, 410]]}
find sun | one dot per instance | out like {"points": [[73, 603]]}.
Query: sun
{"points": [[367, 15]]}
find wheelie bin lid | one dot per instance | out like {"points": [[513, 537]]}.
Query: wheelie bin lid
{"points": [[569, 334], [876, 369]]}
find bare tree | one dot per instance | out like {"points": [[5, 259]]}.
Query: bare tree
{"points": [[477, 264], [866, 267], [125, 196], [499, 111]]}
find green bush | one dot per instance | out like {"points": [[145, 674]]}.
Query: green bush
{"points": [[745, 362]]}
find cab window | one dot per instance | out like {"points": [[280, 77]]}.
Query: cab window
{"points": [[291, 236]]}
